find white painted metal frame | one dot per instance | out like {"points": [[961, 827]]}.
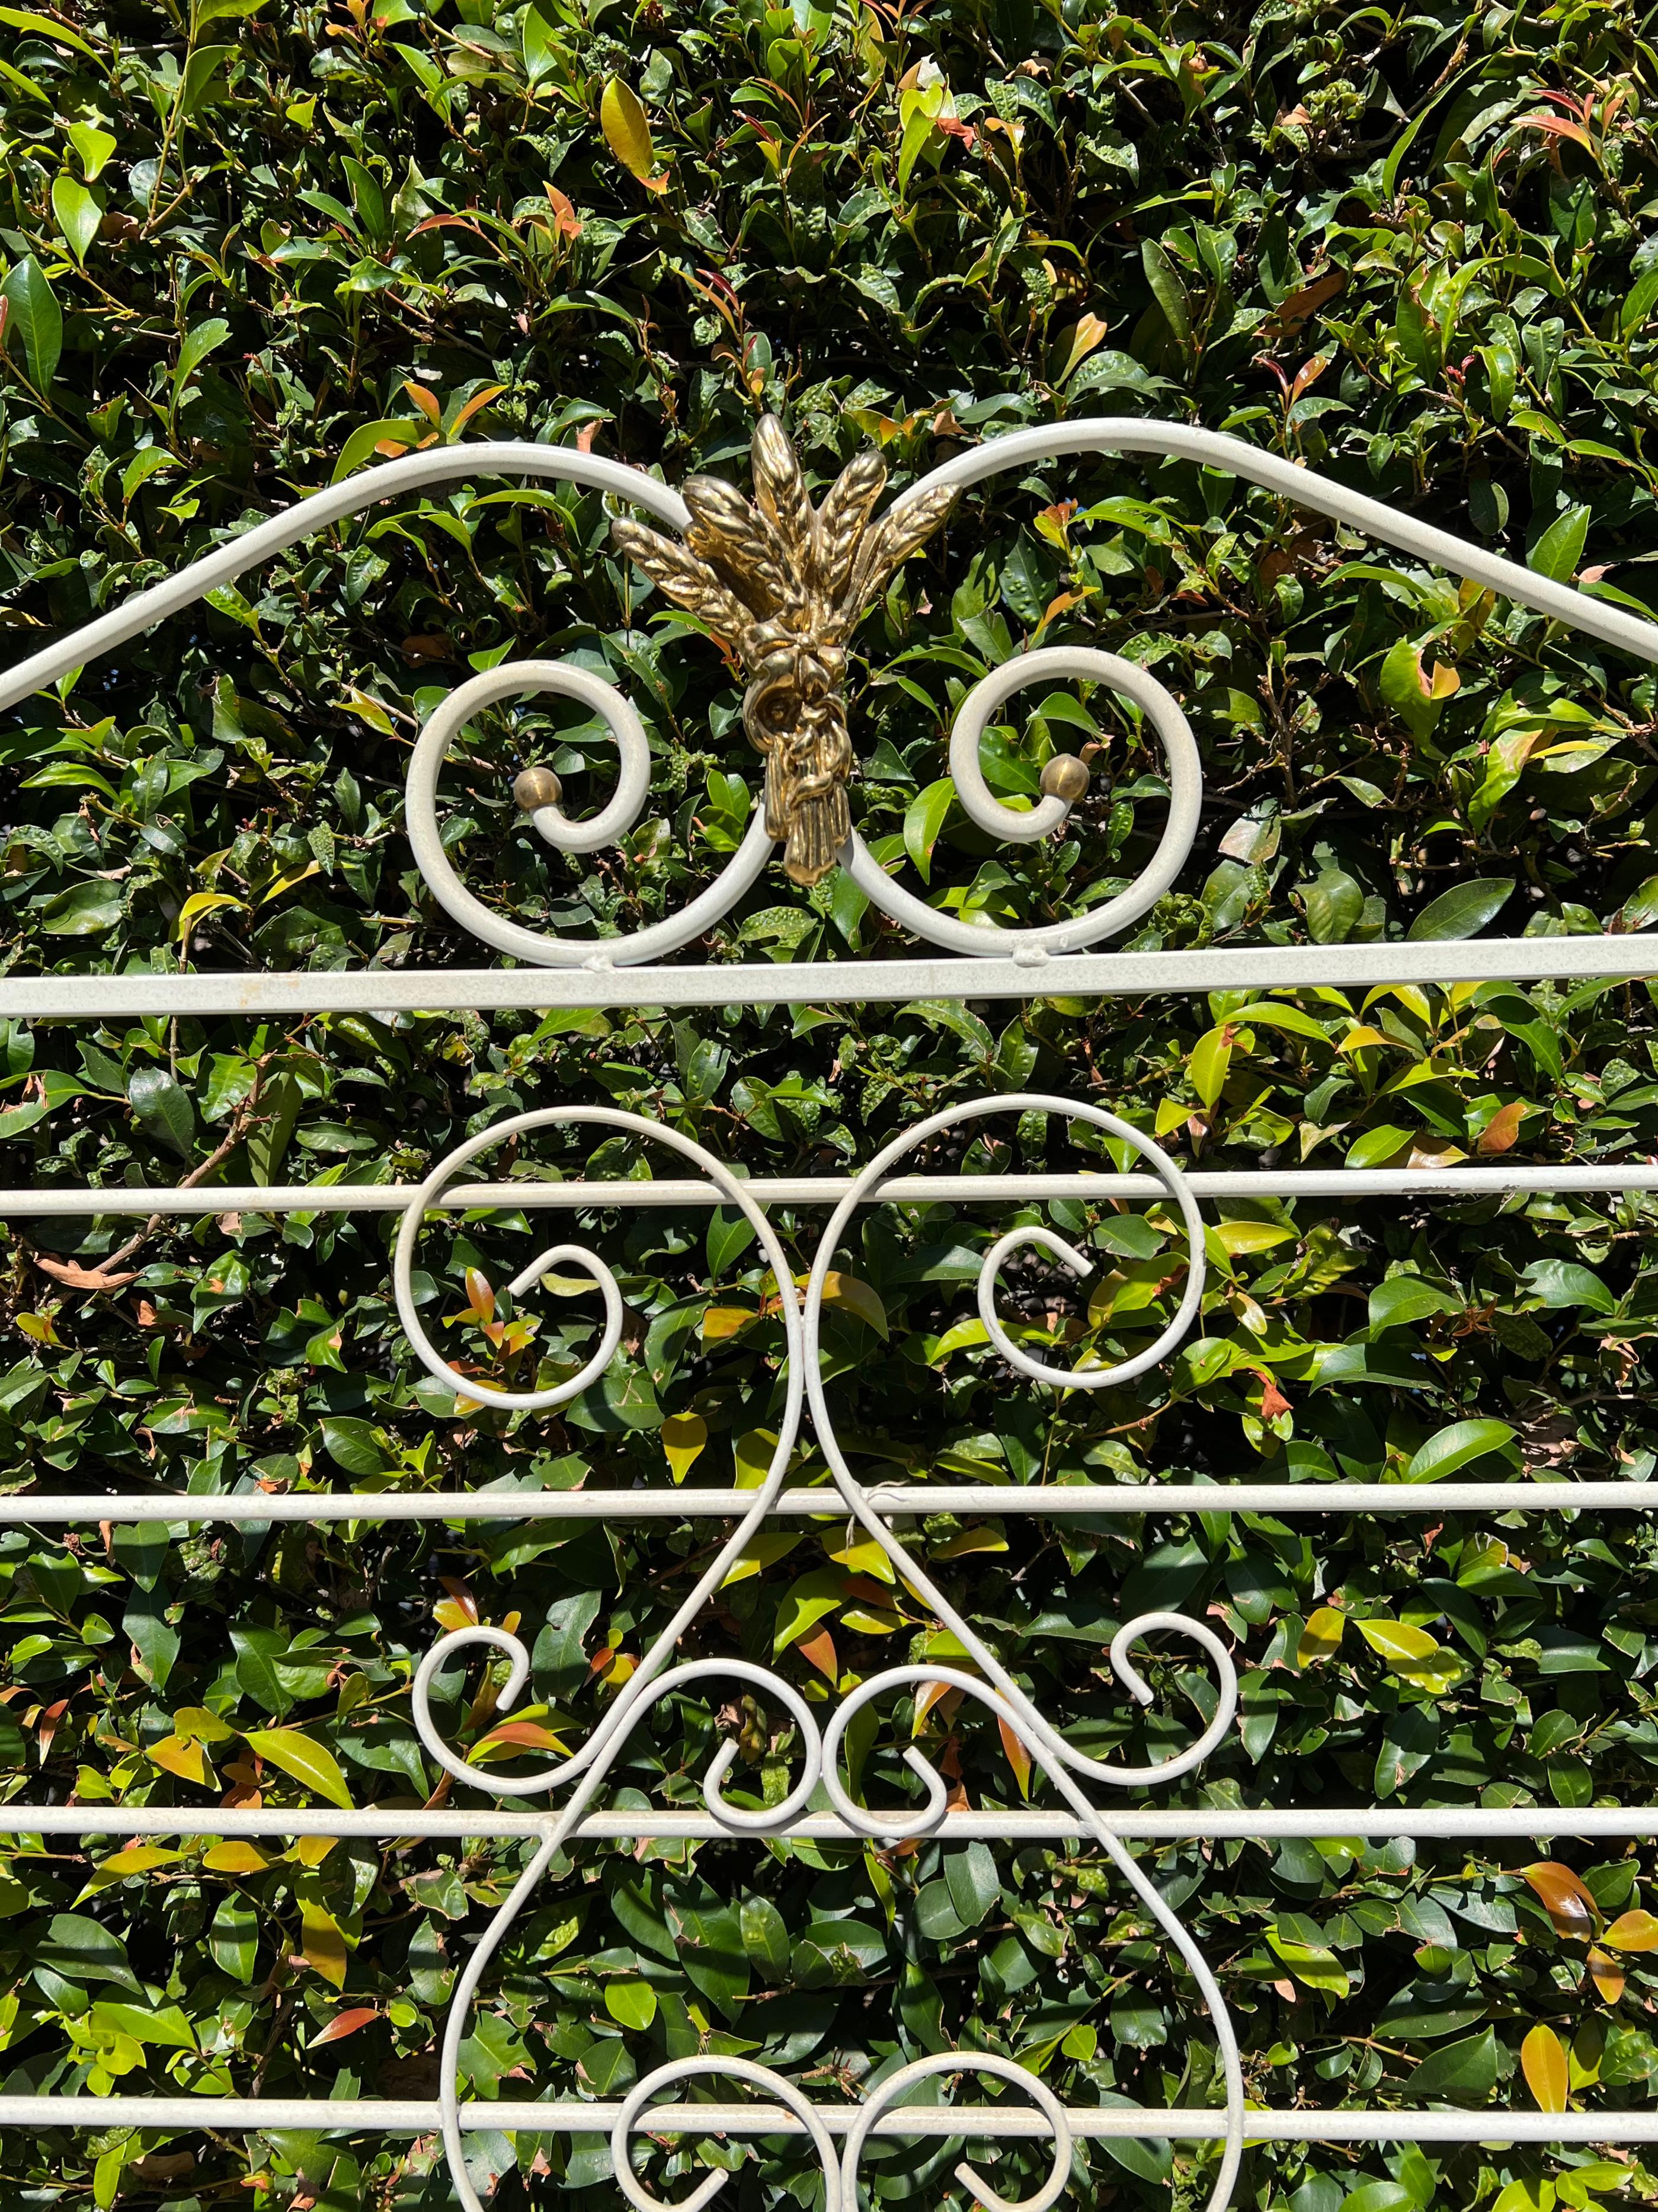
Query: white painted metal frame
{"points": [[1061, 959]]}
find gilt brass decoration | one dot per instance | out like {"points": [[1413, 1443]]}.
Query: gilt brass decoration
{"points": [[787, 585]]}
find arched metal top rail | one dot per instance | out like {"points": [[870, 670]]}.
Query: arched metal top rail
{"points": [[1055, 959], [1014, 449], [1063, 959]]}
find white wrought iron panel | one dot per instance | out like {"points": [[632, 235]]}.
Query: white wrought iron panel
{"points": [[1067, 958]]}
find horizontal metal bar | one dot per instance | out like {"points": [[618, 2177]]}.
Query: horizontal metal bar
{"points": [[1031, 974], [248, 1509], [1471, 1823], [1185, 2123], [1497, 1180]]}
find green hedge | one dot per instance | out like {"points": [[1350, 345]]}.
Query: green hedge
{"points": [[248, 251]]}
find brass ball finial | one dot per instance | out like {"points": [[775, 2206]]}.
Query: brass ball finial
{"points": [[1065, 777], [537, 787]]}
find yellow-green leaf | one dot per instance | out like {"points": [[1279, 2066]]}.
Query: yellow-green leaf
{"points": [[627, 134], [1414, 1655], [1543, 2062], [1525, 2196], [683, 1436], [77, 211], [805, 1604], [236, 1856], [762, 1551], [1209, 1061], [307, 1761], [962, 1543], [873, 1620], [1319, 1968], [136, 1858], [322, 1940], [196, 1725], [93, 145], [1235, 1237], [859, 1297], [751, 1457], [1321, 1636], [864, 1556], [46, 26], [1632, 1931], [633, 2003], [197, 904], [173, 1755], [720, 1321], [1398, 1644]]}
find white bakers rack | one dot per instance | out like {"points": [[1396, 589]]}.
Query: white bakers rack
{"points": [[981, 962]]}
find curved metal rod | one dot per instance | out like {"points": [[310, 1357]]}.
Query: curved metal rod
{"points": [[516, 680], [979, 803], [1063, 1762], [1303, 487], [425, 1200], [525, 1401], [1014, 449], [1226, 2041], [596, 1757], [1060, 1754], [897, 2085], [250, 549], [990, 940], [735, 2069], [820, 1762], [460, 2006], [606, 1751], [1050, 1749], [1098, 1378], [590, 1764], [486, 1394], [510, 680]]}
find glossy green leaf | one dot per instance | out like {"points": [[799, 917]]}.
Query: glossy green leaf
{"points": [[309, 1762], [78, 212], [1462, 911], [34, 321], [1461, 2073], [1559, 550], [1454, 1447], [923, 820], [163, 1108]]}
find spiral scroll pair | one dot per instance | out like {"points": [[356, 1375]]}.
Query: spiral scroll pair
{"points": [[982, 938], [820, 1750], [841, 2190], [585, 1769], [1033, 1237]]}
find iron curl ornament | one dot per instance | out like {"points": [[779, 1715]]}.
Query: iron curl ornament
{"points": [[820, 1749]]}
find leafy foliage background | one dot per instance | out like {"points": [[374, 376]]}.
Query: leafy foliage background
{"points": [[253, 248]]}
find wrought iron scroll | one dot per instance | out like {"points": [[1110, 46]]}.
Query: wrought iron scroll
{"points": [[1062, 957]]}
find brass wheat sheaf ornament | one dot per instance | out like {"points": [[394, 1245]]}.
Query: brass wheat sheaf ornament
{"points": [[786, 584]]}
